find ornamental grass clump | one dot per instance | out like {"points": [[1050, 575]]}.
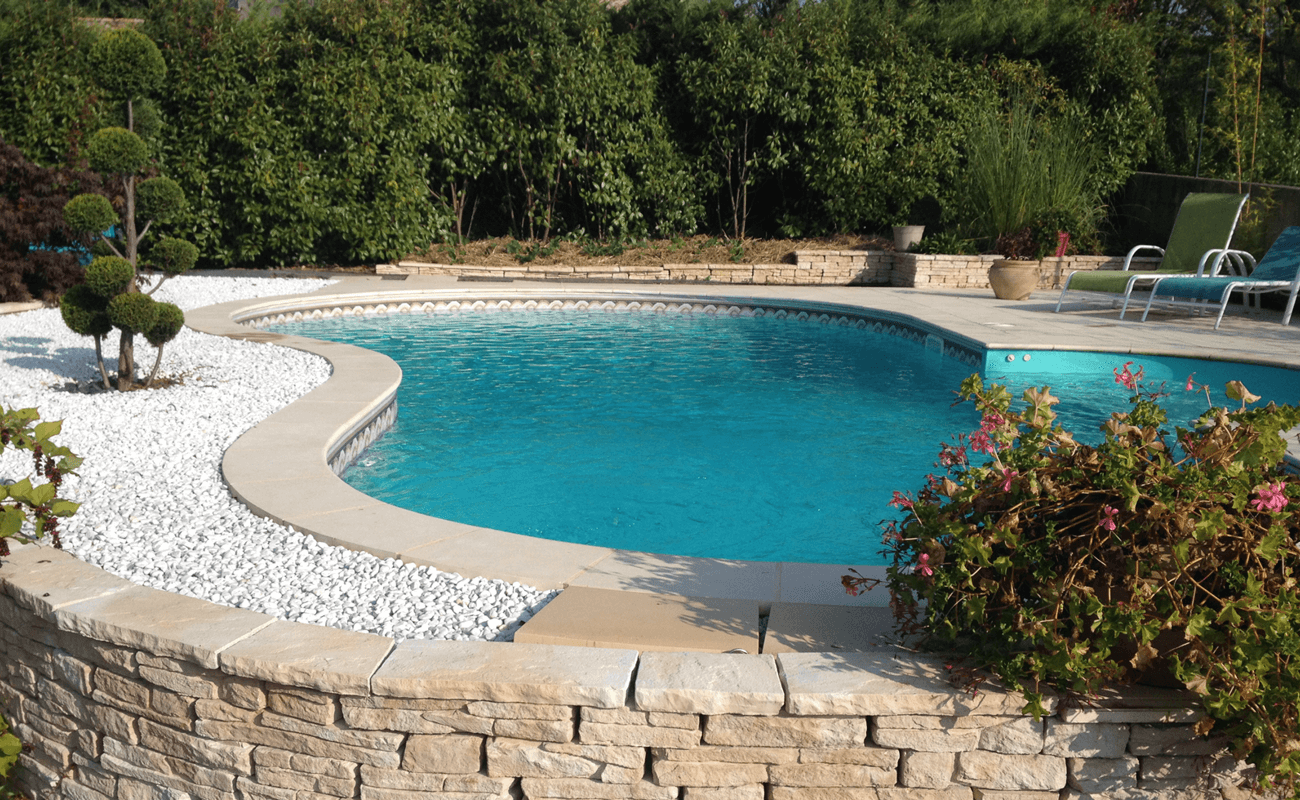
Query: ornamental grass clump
{"points": [[1055, 564]]}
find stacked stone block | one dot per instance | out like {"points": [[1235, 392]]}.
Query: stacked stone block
{"points": [[121, 697], [810, 268]]}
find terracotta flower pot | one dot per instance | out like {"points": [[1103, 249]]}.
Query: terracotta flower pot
{"points": [[1013, 280]]}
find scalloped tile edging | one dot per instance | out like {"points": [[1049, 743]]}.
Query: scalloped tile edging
{"points": [[124, 693]]}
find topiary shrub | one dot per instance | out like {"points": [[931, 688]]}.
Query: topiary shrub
{"points": [[1058, 565], [127, 65], [117, 150]]}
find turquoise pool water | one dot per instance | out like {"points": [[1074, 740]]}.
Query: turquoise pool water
{"points": [[744, 438]]}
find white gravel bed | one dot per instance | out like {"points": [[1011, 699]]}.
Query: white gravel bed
{"points": [[156, 512]]}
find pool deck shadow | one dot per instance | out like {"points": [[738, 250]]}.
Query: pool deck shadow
{"points": [[282, 469]]}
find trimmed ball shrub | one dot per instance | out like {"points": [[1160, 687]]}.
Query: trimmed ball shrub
{"points": [[109, 275], [158, 199], [133, 312], [85, 312], [167, 323], [89, 214], [127, 63], [118, 151], [173, 256]]}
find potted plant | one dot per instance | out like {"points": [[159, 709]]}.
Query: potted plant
{"points": [[1052, 563], [1028, 179]]}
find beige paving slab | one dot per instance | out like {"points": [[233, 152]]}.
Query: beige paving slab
{"points": [[381, 529], [161, 622], [647, 622], [45, 579], [507, 673], [286, 500], [682, 575], [810, 628], [820, 584], [542, 563], [19, 307], [883, 683], [311, 656], [708, 683]]}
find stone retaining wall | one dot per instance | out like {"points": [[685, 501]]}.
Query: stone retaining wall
{"points": [[131, 693], [811, 267]]}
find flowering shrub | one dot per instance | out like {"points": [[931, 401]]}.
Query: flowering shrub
{"points": [[27, 506], [1052, 563]]}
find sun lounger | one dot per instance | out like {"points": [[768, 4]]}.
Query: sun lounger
{"points": [[1278, 271], [1202, 233]]}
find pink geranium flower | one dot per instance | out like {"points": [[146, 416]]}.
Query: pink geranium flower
{"points": [[1108, 519], [1271, 497], [981, 443], [1007, 476], [1126, 378], [923, 565], [1191, 385], [901, 501]]}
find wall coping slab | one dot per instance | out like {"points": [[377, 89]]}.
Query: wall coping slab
{"points": [[161, 622], [709, 683], [44, 579], [546, 674], [326, 659], [885, 683]]}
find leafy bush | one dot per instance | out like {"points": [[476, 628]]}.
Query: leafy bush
{"points": [[31, 508], [1057, 564], [45, 90], [38, 257]]}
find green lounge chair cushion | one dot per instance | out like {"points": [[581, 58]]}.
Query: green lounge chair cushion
{"points": [[1205, 222]]}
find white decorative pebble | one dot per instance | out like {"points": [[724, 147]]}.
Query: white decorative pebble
{"points": [[155, 510]]}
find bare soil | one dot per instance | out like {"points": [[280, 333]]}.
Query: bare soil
{"points": [[647, 252]]}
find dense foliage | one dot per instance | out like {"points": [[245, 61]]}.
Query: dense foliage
{"points": [[30, 508], [37, 257], [1057, 564], [339, 132]]}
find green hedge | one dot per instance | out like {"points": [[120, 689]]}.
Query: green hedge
{"points": [[356, 132]]}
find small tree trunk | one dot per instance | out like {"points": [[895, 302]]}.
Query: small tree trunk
{"points": [[126, 362], [153, 373], [99, 359]]}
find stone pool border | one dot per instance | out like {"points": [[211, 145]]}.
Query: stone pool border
{"points": [[130, 693], [286, 467]]}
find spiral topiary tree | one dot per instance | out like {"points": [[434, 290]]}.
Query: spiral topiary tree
{"points": [[127, 67]]}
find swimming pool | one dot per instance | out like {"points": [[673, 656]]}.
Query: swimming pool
{"points": [[747, 438]]}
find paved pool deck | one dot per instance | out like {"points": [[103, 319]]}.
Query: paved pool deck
{"points": [[281, 467]]}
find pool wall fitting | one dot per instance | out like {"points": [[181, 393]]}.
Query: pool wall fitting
{"points": [[129, 693]]}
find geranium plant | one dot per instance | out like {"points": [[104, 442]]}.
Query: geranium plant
{"points": [[1053, 563], [30, 507]]}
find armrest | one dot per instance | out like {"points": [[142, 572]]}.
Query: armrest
{"points": [[1233, 260], [1128, 259]]}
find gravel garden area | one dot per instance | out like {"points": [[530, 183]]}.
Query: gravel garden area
{"points": [[155, 510]]}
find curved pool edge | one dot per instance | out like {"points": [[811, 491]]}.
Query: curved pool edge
{"points": [[281, 467]]}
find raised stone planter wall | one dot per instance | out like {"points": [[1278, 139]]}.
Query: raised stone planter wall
{"points": [[131, 693], [811, 267], [972, 272]]}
